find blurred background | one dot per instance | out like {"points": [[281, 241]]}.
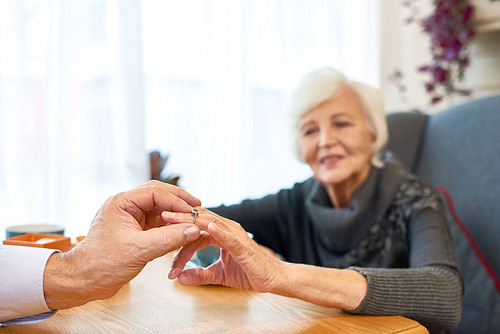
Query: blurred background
{"points": [[88, 88]]}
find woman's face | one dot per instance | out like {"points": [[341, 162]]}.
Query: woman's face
{"points": [[336, 141]]}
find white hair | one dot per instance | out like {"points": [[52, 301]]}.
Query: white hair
{"points": [[320, 85]]}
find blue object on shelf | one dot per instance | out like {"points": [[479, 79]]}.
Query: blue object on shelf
{"points": [[13, 231]]}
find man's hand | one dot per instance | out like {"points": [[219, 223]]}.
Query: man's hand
{"points": [[127, 232]]}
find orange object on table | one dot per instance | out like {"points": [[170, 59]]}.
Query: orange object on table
{"points": [[41, 240]]}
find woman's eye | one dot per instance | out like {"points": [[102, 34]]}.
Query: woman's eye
{"points": [[341, 124], [309, 131]]}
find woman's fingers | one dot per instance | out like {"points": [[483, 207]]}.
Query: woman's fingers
{"points": [[227, 233], [186, 253], [202, 276], [228, 240], [203, 219], [178, 217], [242, 264]]}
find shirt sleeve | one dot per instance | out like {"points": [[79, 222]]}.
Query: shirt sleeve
{"points": [[21, 284]]}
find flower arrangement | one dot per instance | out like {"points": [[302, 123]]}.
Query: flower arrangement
{"points": [[451, 30]]}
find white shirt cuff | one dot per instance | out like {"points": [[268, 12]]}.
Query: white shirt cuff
{"points": [[21, 283]]}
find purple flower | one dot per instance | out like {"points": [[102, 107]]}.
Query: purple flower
{"points": [[463, 62], [451, 29], [467, 14], [440, 75], [425, 68], [436, 99], [452, 51]]}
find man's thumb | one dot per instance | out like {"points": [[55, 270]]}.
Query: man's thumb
{"points": [[165, 239]]}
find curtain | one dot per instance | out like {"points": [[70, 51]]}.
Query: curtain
{"points": [[71, 109], [218, 74], [89, 88]]}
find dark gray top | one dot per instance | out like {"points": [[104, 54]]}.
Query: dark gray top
{"points": [[394, 232]]}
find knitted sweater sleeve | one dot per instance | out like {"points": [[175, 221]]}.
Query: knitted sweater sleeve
{"points": [[430, 291], [271, 219]]}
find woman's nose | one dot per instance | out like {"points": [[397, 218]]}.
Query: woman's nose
{"points": [[327, 138]]}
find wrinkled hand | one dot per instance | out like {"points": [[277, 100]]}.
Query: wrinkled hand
{"points": [[126, 233], [243, 263]]}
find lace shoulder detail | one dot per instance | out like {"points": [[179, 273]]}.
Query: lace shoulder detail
{"points": [[416, 195], [386, 244]]}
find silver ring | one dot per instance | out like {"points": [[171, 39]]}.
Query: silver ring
{"points": [[195, 213]]}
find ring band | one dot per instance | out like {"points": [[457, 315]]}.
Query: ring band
{"points": [[195, 213]]}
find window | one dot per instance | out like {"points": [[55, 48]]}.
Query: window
{"points": [[88, 88]]}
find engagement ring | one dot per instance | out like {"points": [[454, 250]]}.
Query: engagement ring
{"points": [[195, 213]]}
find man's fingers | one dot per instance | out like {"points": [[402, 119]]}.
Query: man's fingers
{"points": [[150, 197], [167, 238], [176, 191]]}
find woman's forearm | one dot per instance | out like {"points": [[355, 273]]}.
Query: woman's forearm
{"points": [[329, 287], [430, 295]]}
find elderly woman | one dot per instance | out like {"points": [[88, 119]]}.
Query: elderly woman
{"points": [[363, 234]]}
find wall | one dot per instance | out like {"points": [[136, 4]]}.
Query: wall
{"points": [[404, 46], [483, 76]]}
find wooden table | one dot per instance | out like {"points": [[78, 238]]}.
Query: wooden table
{"points": [[151, 303]]}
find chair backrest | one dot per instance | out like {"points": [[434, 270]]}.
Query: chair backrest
{"points": [[459, 149], [405, 136]]}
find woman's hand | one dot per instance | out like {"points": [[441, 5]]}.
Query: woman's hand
{"points": [[243, 263], [246, 265]]}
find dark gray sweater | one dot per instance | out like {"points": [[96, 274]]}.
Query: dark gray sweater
{"points": [[394, 232]]}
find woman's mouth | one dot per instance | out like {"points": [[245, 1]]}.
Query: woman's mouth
{"points": [[330, 160]]}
